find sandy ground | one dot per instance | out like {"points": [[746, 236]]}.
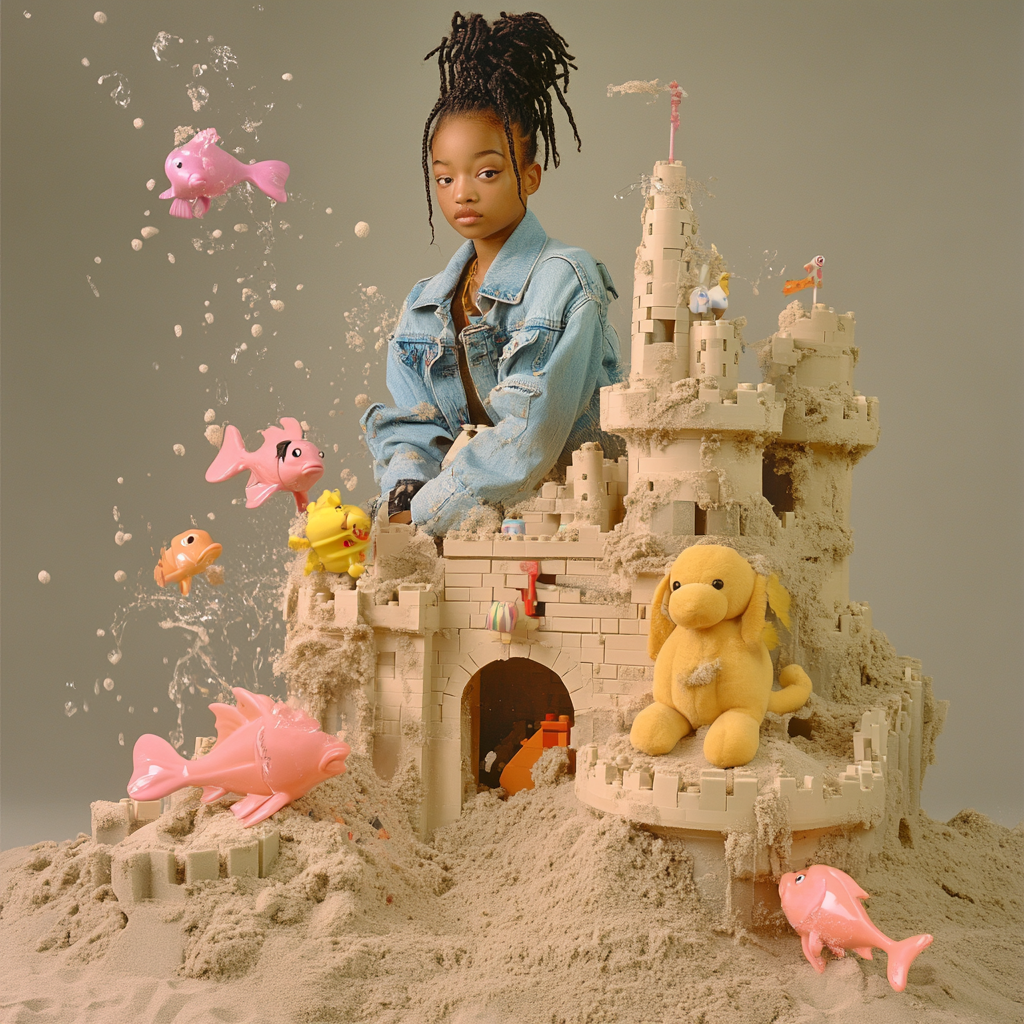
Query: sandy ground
{"points": [[530, 910]]}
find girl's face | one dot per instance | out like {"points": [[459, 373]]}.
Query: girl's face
{"points": [[476, 183]]}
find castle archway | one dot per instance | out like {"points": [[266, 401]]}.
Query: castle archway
{"points": [[504, 703]]}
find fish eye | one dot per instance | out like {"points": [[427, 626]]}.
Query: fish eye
{"points": [[190, 539], [178, 164], [717, 584], [296, 452], [800, 878], [676, 585], [321, 455]]}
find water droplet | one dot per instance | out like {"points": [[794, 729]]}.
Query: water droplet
{"points": [[120, 576], [199, 96], [121, 94], [44, 576], [362, 229], [95, 290], [100, 18], [96, 688], [70, 708], [138, 122], [108, 684]]}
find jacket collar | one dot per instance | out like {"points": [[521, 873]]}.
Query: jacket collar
{"points": [[506, 279]]}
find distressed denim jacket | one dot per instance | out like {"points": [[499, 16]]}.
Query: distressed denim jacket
{"points": [[539, 356]]}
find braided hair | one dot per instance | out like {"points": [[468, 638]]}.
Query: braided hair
{"points": [[507, 69]]}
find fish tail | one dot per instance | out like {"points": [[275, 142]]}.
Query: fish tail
{"points": [[181, 208], [201, 207], [901, 956], [159, 769], [269, 176], [231, 459]]}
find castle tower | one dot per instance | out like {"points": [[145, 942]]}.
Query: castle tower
{"points": [[695, 433]]}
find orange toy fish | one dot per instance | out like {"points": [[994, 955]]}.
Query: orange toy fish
{"points": [[190, 554]]}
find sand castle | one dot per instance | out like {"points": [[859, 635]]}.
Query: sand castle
{"points": [[405, 666]]}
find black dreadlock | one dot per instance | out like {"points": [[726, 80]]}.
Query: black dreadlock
{"points": [[507, 69]]}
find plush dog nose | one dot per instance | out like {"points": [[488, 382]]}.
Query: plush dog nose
{"points": [[697, 606]]}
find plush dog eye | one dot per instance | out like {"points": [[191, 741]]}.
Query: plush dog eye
{"points": [[676, 585], [717, 584], [800, 878]]}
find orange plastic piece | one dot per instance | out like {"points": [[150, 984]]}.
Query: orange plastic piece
{"points": [[517, 773]]}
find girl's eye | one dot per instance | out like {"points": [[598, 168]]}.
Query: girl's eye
{"points": [[487, 175], [444, 181]]}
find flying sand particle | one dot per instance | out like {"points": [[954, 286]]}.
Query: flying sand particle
{"points": [[120, 576], [136, 244], [362, 401], [85, 62], [44, 576], [203, 368], [120, 479], [328, 210], [241, 228], [214, 433], [108, 684], [179, 449], [96, 259], [100, 18], [151, 184], [211, 515], [209, 317], [170, 257], [177, 330], [149, 231], [209, 416], [120, 738], [298, 364], [256, 330], [277, 305], [286, 77], [299, 287], [362, 229], [138, 122]]}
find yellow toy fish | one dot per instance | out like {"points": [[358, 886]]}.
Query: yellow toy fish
{"points": [[338, 536]]}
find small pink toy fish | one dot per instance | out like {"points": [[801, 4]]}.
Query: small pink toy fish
{"points": [[823, 905], [284, 462], [265, 749], [200, 170], [190, 554]]}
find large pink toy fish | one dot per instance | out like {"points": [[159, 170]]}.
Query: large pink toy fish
{"points": [[284, 462], [265, 749], [200, 170], [823, 905]]}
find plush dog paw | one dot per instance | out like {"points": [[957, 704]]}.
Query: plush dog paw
{"points": [[657, 729], [732, 740]]}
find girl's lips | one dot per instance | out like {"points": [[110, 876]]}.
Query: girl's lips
{"points": [[467, 217]]}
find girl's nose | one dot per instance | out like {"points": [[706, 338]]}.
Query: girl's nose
{"points": [[466, 191]]}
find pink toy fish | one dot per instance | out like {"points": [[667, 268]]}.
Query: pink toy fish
{"points": [[265, 749], [284, 462], [823, 905], [200, 170]]}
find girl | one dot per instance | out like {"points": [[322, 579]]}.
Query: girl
{"points": [[513, 334]]}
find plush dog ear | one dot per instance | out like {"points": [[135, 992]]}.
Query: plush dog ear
{"points": [[661, 624], [778, 600], [752, 620]]}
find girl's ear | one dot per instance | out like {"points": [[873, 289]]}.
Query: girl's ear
{"points": [[531, 176], [661, 624]]}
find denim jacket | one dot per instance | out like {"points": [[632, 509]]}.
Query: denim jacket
{"points": [[539, 356]]}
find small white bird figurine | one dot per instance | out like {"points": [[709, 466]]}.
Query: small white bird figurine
{"points": [[719, 296]]}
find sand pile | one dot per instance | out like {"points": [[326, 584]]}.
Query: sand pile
{"points": [[527, 910]]}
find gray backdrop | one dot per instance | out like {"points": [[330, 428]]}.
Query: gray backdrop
{"points": [[886, 136]]}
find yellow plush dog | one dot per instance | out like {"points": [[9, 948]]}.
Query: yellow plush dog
{"points": [[712, 665]]}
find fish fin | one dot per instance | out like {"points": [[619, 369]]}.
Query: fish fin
{"points": [[231, 459], [158, 571], [201, 206], [185, 585], [227, 719], [257, 493], [864, 951], [208, 136], [269, 176], [812, 945], [169, 194], [159, 769], [252, 705], [265, 809], [181, 208], [248, 804], [901, 956], [211, 793], [301, 500]]}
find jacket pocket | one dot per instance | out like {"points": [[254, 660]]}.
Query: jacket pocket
{"points": [[415, 352], [537, 340], [512, 397]]}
